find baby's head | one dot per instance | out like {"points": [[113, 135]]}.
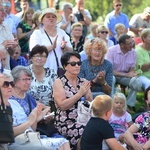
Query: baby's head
{"points": [[119, 101], [102, 106], [119, 28]]}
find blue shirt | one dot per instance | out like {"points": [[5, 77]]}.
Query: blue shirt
{"points": [[111, 20], [20, 61], [90, 72]]}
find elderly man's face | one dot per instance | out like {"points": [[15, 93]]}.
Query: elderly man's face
{"points": [[2, 13]]}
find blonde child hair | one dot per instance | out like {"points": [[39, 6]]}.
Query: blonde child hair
{"points": [[101, 104], [118, 26], [122, 97]]}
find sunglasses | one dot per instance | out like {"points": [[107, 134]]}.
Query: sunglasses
{"points": [[118, 5], [106, 32], [75, 63], [6, 84]]}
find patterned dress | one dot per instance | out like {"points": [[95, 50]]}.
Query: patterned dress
{"points": [[42, 91], [66, 121], [143, 124]]}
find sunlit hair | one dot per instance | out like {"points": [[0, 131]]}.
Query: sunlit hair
{"points": [[35, 17], [119, 25], [77, 24], [117, 1], [29, 10], [101, 104], [66, 5], [145, 33], [6, 75], [101, 28], [97, 44], [122, 97]]}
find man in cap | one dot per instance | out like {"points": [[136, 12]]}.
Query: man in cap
{"points": [[140, 21]]}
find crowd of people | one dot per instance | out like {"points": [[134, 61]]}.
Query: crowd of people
{"points": [[95, 58]]}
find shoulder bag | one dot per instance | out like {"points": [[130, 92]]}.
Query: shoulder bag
{"points": [[45, 127], [84, 111], [6, 123], [29, 138], [60, 70]]}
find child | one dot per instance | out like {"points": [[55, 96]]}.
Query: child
{"points": [[98, 128], [120, 119], [120, 29], [16, 59]]}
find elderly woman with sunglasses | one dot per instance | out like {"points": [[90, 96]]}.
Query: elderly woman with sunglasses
{"points": [[68, 90], [102, 33], [27, 112], [6, 84], [96, 69]]}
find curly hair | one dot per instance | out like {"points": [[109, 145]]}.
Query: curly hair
{"points": [[97, 44]]}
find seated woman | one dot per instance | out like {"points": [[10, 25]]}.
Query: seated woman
{"points": [[6, 84], [97, 69], [68, 91], [77, 40], [143, 59], [42, 77], [137, 135], [102, 33], [26, 118]]}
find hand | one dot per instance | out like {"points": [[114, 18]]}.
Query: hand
{"points": [[63, 43], [33, 116], [84, 88], [10, 43], [100, 77], [131, 74]]}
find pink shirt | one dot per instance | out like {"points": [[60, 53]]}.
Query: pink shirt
{"points": [[121, 62]]}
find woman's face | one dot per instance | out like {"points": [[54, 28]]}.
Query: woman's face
{"points": [[49, 19], [77, 31], [23, 83], [73, 66], [96, 54], [147, 39], [6, 85], [39, 59], [29, 15], [103, 34]]}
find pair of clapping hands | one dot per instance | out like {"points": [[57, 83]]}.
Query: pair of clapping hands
{"points": [[62, 45], [40, 112], [10, 44]]}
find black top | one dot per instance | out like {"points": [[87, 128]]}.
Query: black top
{"points": [[96, 130]]}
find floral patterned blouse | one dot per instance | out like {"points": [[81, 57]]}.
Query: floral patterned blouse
{"points": [[42, 91], [143, 124]]}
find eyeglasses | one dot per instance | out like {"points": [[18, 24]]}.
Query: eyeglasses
{"points": [[6, 84], [118, 5], [25, 79], [97, 51], [5, 4], [106, 32], [41, 56], [75, 63]]}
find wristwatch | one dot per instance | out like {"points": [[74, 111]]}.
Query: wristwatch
{"points": [[104, 83]]}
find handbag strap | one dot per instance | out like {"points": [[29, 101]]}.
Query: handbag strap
{"points": [[29, 102], [3, 107], [53, 49]]}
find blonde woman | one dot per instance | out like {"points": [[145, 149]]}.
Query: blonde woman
{"points": [[102, 33], [97, 69]]}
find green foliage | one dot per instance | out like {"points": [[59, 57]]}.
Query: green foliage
{"points": [[100, 8]]}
